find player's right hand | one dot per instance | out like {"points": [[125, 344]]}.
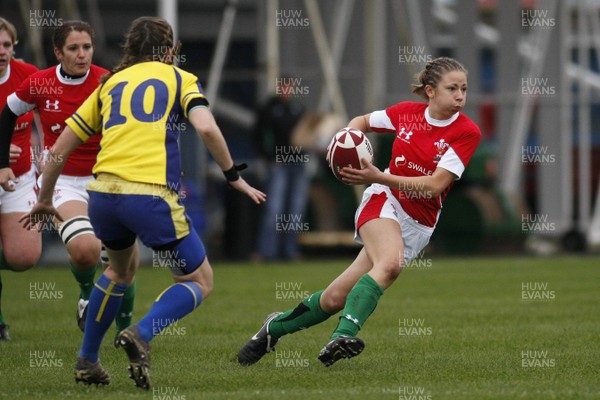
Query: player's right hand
{"points": [[41, 211], [15, 153], [7, 179], [256, 195]]}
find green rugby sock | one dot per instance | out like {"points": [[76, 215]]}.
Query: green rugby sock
{"points": [[361, 302], [305, 315], [85, 280], [123, 319]]}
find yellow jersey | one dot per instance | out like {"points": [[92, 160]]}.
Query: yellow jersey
{"points": [[140, 112]]}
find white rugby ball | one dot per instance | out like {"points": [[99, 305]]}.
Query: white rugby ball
{"points": [[347, 148]]}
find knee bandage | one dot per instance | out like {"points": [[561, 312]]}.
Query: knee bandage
{"points": [[74, 227]]}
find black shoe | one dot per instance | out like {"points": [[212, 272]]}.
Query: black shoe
{"points": [[82, 308], [138, 352], [260, 344], [341, 347], [4, 332], [88, 372]]}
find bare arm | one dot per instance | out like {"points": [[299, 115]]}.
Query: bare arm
{"points": [[430, 186], [361, 123], [203, 121], [57, 157]]}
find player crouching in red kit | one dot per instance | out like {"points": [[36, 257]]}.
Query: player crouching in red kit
{"points": [[21, 249], [56, 93]]}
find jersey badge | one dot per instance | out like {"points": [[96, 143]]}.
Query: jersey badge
{"points": [[441, 147]]}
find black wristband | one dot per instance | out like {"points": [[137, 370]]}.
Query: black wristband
{"points": [[232, 174]]}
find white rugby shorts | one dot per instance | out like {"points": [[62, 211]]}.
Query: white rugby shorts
{"points": [[70, 188], [23, 198], [379, 202]]}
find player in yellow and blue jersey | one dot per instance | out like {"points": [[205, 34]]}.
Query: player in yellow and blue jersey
{"points": [[135, 193]]}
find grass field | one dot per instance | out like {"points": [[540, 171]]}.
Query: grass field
{"points": [[469, 328]]}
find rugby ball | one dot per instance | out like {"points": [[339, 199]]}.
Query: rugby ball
{"points": [[347, 148]]}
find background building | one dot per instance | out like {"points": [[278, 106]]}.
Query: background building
{"points": [[533, 89]]}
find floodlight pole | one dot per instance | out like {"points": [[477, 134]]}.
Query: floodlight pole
{"points": [[272, 46], [324, 52], [167, 9], [584, 117], [341, 25], [223, 41]]}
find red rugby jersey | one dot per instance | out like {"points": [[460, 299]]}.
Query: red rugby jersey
{"points": [[423, 144], [16, 73], [56, 99]]}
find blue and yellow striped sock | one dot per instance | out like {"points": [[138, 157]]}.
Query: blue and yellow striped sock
{"points": [[123, 318], [104, 304], [174, 303]]}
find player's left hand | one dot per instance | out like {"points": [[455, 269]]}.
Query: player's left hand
{"points": [[369, 174], [7, 179], [41, 212]]}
